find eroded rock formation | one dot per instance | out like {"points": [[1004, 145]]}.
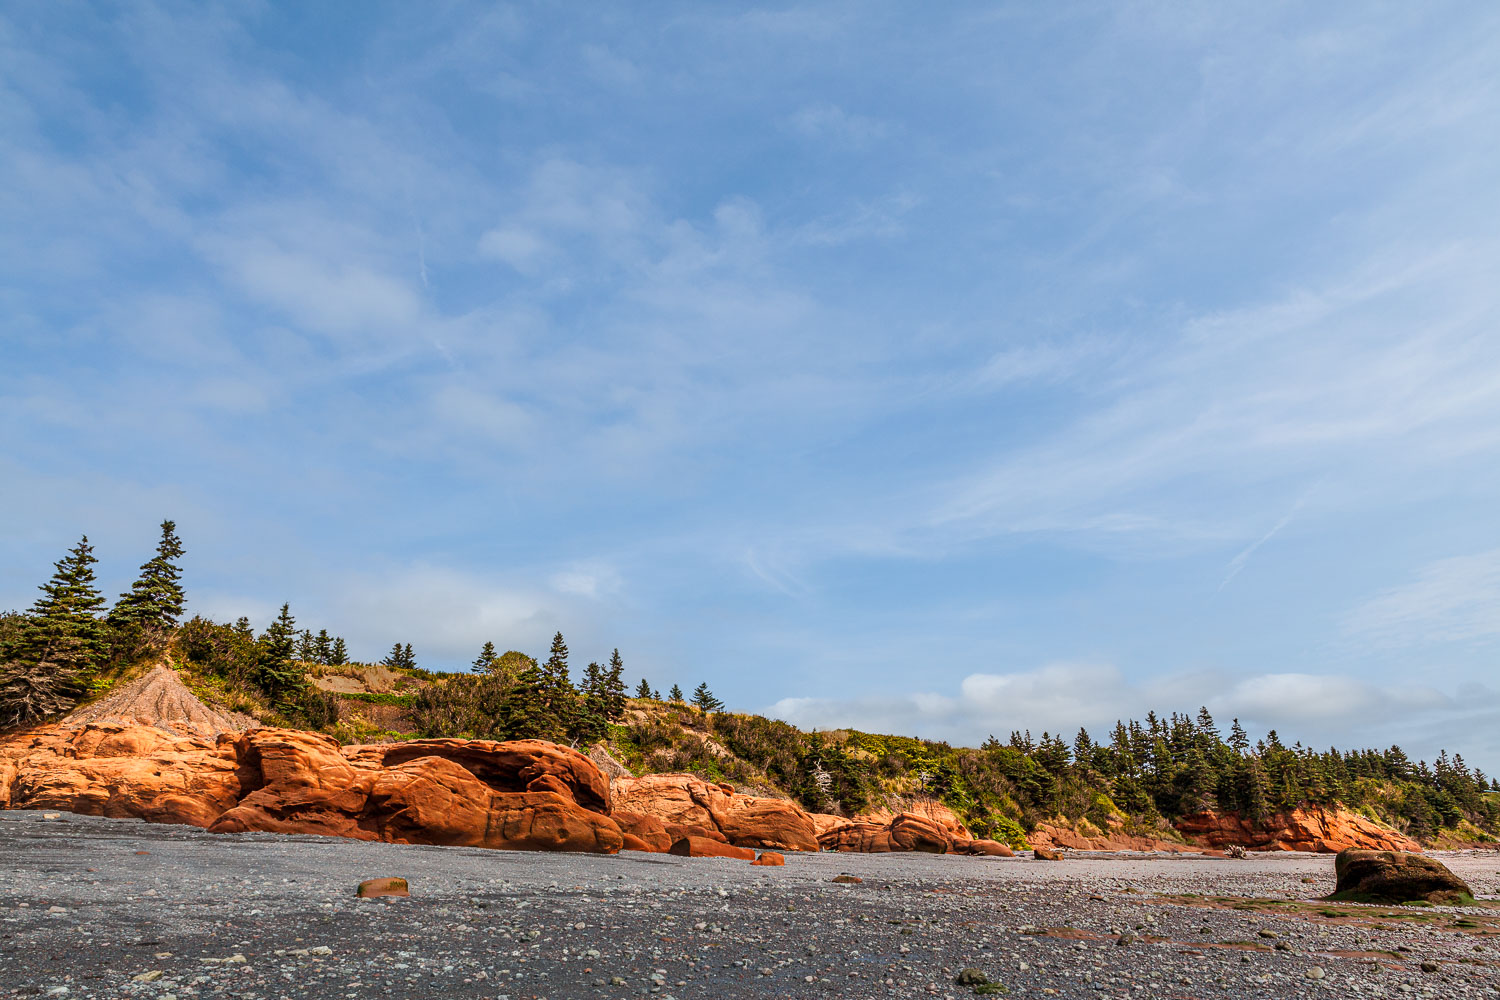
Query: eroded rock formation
{"points": [[1310, 829], [690, 806], [522, 795]]}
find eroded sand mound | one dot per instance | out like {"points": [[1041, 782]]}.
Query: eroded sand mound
{"points": [[160, 699]]}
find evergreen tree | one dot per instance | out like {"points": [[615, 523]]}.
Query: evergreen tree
{"points": [[643, 689], [339, 654], [47, 654], [558, 696], [614, 686], [1237, 738], [485, 661], [395, 658], [530, 712], [242, 628], [593, 707], [675, 694], [1083, 748], [155, 600], [307, 647], [323, 647], [66, 625], [408, 658], [278, 673], [704, 699]]}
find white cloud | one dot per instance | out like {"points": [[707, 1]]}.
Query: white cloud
{"points": [[328, 296], [1451, 600], [831, 122], [591, 580], [516, 245]]}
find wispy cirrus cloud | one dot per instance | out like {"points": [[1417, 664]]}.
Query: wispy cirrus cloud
{"points": [[1456, 599]]}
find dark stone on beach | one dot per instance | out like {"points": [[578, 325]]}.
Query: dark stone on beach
{"points": [[1395, 877]]}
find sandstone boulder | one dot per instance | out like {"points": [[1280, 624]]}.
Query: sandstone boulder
{"points": [[1045, 854], [374, 888], [769, 859], [684, 801], [1314, 828], [981, 848], [1395, 877], [702, 847], [643, 833]]}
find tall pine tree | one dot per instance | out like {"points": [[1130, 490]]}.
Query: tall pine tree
{"points": [[155, 600], [485, 661], [48, 657]]}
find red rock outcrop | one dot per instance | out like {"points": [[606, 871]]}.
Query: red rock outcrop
{"points": [[906, 832], [1314, 828], [931, 810], [683, 801], [769, 859], [522, 795]]}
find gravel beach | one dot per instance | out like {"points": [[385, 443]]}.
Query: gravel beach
{"points": [[95, 907]]}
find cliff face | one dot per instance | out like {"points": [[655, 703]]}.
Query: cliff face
{"points": [[1312, 828]]}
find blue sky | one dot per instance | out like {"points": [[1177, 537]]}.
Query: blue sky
{"points": [[943, 371]]}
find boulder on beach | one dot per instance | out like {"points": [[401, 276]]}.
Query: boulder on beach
{"points": [[702, 847], [1395, 877]]}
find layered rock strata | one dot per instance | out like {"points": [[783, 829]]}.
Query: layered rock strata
{"points": [[1313, 828]]}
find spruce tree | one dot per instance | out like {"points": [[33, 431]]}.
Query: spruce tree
{"points": [[593, 706], [558, 696], [643, 689], [323, 647], [705, 700], [396, 657], [1237, 738], [614, 686], [307, 647], [278, 673], [408, 658], [529, 711], [339, 654], [675, 694], [155, 600], [66, 616], [485, 662], [50, 652]]}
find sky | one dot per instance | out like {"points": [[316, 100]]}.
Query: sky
{"points": [[938, 370]]}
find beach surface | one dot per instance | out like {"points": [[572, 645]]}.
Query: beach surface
{"points": [[93, 907]]}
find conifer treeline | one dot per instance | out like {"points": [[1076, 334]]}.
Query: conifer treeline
{"points": [[1180, 766]]}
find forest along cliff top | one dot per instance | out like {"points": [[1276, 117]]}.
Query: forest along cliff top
{"points": [[159, 698]]}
